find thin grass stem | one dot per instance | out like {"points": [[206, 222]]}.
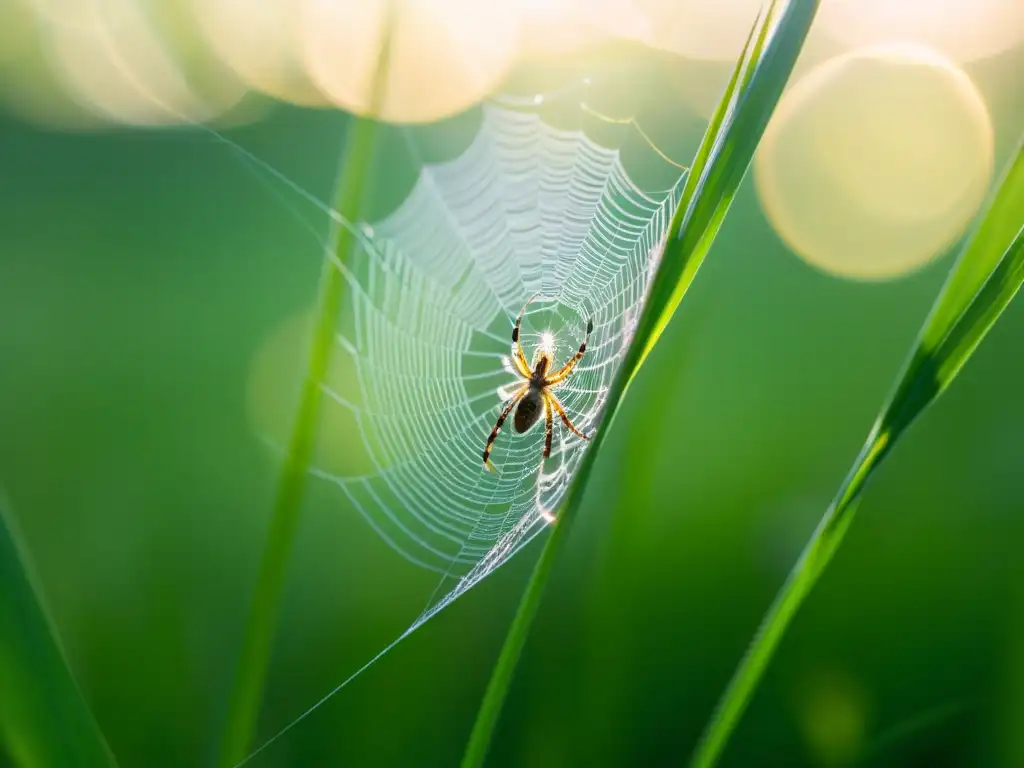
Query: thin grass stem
{"points": [[259, 631]]}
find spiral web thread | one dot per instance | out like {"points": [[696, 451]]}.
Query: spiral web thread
{"points": [[526, 209]]}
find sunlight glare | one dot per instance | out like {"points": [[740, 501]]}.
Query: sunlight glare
{"points": [[547, 342]]}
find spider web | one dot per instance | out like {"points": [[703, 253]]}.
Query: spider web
{"points": [[422, 362], [526, 210]]}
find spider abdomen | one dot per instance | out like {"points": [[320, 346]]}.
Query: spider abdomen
{"points": [[528, 411]]}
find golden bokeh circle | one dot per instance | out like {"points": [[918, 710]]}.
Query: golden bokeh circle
{"points": [[134, 62], [445, 55], [17, 30], [260, 42], [272, 391], [875, 161]]}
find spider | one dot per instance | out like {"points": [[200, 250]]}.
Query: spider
{"points": [[535, 391]]}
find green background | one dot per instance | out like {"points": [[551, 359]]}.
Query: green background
{"points": [[141, 271]]}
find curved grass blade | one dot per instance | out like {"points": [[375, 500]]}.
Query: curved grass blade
{"points": [[258, 638], [44, 721], [986, 276], [720, 164]]}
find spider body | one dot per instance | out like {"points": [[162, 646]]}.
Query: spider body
{"points": [[535, 394], [531, 405]]}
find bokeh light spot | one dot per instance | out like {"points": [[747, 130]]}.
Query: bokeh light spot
{"points": [[275, 376], [260, 42], [876, 161], [693, 28], [445, 56], [552, 27], [963, 30], [17, 30], [131, 63], [833, 714]]}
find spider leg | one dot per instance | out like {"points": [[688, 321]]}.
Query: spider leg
{"points": [[563, 374], [518, 355], [501, 420], [549, 424], [565, 418]]}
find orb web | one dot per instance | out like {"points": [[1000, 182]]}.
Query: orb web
{"points": [[526, 210]]}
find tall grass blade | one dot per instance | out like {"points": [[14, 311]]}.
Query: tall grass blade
{"points": [[44, 721], [986, 276], [258, 638], [720, 164]]}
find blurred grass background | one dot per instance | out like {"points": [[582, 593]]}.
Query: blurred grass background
{"points": [[140, 273]]}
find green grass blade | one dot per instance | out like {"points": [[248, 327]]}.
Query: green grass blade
{"points": [[720, 164], [258, 638], [985, 278], [993, 235], [723, 159], [44, 721]]}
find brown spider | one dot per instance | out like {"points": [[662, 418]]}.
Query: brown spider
{"points": [[536, 391]]}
